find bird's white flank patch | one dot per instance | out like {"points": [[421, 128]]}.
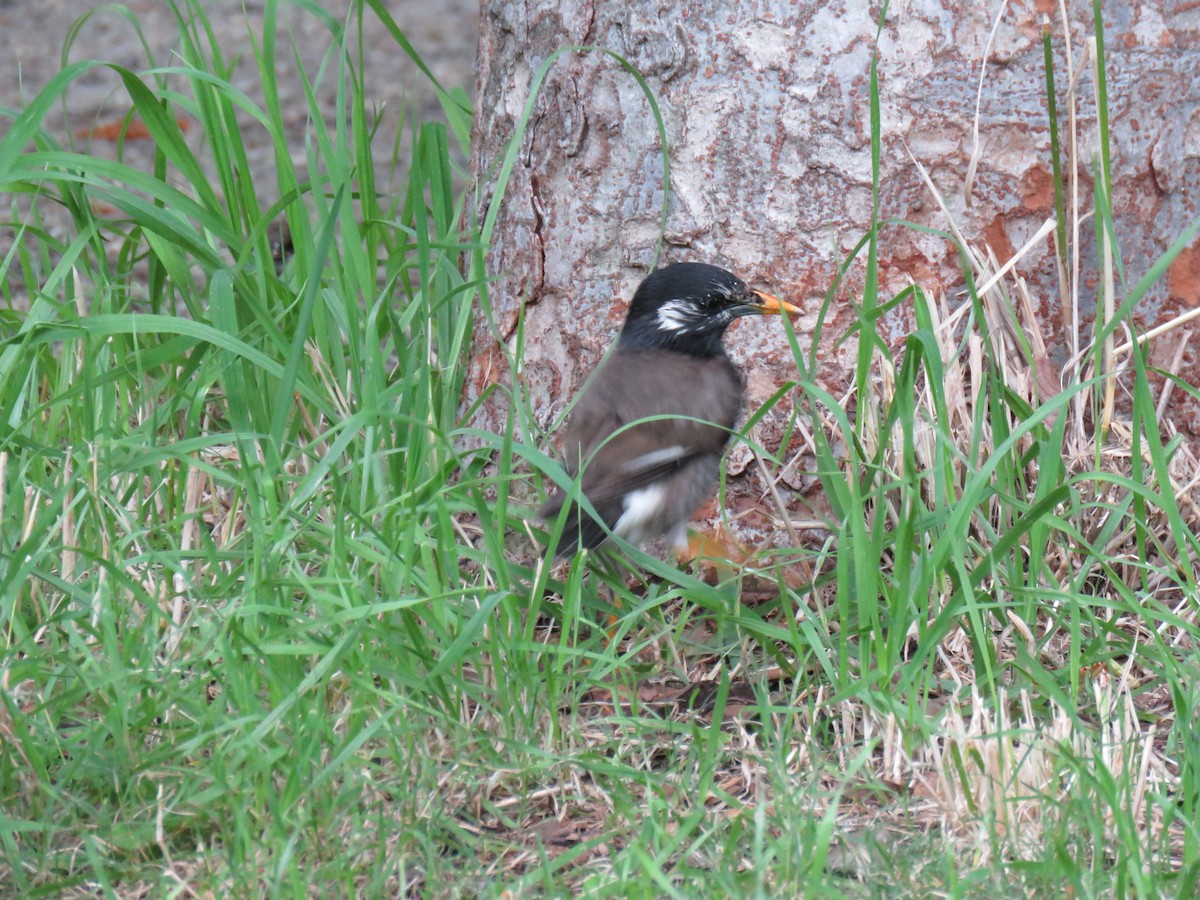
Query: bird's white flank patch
{"points": [[641, 507], [676, 315], [655, 458]]}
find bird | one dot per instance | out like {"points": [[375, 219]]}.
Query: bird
{"points": [[645, 479]]}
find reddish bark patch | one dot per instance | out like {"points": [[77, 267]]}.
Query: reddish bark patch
{"points": [[1037, 188], [1183, 276], [917, 266], [491, 368], [995, 235]]}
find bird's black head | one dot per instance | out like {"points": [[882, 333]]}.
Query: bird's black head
{"points": [[686, 307]]}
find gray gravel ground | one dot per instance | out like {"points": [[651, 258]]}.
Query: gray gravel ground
{"points": [[33, 33]]}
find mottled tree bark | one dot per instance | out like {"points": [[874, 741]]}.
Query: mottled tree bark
{"points": [[767, 111]]}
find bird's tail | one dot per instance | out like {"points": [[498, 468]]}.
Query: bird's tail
{"points": [[580, 531]]}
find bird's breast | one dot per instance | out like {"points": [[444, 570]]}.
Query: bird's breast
{"points": [[641, 383]]}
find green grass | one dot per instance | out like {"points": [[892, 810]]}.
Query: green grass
{"points": [[269, 629]]}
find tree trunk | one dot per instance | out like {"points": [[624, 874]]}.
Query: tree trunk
{"points": [[767, 112]]}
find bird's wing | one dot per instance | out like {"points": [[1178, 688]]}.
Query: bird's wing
{"points": [[702, 399]]}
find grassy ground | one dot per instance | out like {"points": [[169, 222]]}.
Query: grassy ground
{"points": [[269, 630]]}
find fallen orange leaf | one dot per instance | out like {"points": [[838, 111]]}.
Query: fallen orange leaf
{"points": [[137, 130]]}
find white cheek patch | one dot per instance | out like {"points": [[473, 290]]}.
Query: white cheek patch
{"points": [[676, 315], [641, 507]]}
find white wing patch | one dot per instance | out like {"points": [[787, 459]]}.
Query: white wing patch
{"points": [[655, 458], [641, 508], [676, 315]]}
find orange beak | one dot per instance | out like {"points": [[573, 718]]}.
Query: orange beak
{"points": [[772, 306]]}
